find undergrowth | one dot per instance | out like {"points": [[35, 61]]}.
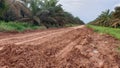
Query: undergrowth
{"points": [[16, 26]]}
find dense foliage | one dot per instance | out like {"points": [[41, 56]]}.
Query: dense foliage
{"points": [[108, 19], [16, 26], [3, 8], [39, 12]]}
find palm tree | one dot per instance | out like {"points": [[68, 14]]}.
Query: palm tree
{"points": [[116, 14], [40, 12], [3, 8], [116, 17], [12, 10], [47, 11], [104, 19]]}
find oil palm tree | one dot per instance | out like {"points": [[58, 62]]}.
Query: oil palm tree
{"points": [[3, 8], [116, 14], [12, 10], [104, 19], [116, 17], [46, 10]]}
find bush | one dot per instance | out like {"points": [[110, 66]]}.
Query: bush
{"points": [[16, 26]]}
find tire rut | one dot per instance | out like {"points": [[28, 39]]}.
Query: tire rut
{"points": [[39, 38], [25, 37], [35, 40]]}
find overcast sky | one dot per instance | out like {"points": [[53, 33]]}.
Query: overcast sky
{"points": [[88, 10]]}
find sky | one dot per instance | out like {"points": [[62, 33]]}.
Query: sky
{"points": [[88, 10]]}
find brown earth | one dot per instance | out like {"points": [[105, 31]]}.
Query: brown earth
{"points": [[75, 47]]}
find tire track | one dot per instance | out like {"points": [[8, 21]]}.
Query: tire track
{"points": [[26, 37], [50, 48], [59, 42], [32, 40], [63, 53], [40, 38]]}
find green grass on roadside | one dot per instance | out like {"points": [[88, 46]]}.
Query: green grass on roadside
{"points": [[71, 25], [21, 26], [115, 32], [16, 26]]}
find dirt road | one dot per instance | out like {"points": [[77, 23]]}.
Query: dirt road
{"points": [[74, 47]]}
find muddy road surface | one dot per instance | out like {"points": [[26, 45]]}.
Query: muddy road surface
{"points": [[74, 47]]}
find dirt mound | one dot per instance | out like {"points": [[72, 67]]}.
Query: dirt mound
{"points": [[62, 48]]}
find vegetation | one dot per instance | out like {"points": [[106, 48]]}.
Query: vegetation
{"points": [[104, 19], [115, 32], [37, 12], [16, 26], [3, 8], [108, 19]]}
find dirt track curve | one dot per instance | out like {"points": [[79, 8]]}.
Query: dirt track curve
{"points": [[74, 47]]}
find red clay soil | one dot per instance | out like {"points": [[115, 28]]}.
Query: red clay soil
{"points": [[76, 47]]}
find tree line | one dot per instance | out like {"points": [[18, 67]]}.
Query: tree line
{"points": [[108, 18], [38, 12]]}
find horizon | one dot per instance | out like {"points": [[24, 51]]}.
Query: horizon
{"points": [[90, 11]]}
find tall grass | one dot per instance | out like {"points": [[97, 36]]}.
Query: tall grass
{"points": [[16, 26], [115, 32]]}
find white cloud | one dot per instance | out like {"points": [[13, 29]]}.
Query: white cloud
{"points": [[117, 5]]}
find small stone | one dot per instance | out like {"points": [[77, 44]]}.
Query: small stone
{"points": [[95, 51], [101, 63], [1, 48]]}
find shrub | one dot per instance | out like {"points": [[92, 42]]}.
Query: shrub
{"points": [[16, 26]]}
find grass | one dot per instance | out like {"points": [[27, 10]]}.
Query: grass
{"points": [[71, 25], [16, 26], [115, 32], [21, 26]]}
